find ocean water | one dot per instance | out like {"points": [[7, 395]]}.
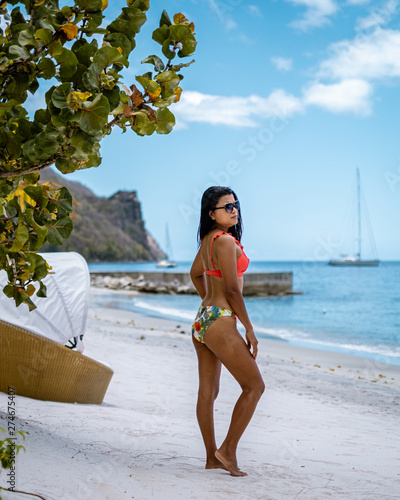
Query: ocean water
{"points": [[354, 310]]}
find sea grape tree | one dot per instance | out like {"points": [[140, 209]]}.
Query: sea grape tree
{"points": [[70, 53]]}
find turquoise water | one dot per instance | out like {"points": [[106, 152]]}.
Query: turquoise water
{"points": [[343, 309]]}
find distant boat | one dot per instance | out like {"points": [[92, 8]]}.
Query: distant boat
{"points": [[167, 262], [356, 258]]}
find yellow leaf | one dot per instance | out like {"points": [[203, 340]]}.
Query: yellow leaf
{"points": [[22, 198], [104, 4], [180, 19], [178, 92], [154, 95], [39, 2], [75, 99], [119, 50], [70, 30], [191, 26], [30, 290], [2, 5]]}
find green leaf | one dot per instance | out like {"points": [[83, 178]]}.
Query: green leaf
{"points": [[8, 290], [59, 231], [26, 38], [60, 94], [160, 35], [89, 5], [35, 192], [129, 22], [39, 236], [5, 107], [55, 48], [165, 121], [122, 41], [188, 47], [68, 63], [144, 126], [177, 67], [165, 19], [66, 165], [42, 292], [91, 79], [158, 64], [139, 4], [94, 114], [169, 80], [21, 237], [84, 51], [40, 267], [166, 50], [47, 68], [44, 36], [106, 56], [18, 52], [65, 200]]}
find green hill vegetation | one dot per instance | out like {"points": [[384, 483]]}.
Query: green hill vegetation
{"points": [[105, 229]]}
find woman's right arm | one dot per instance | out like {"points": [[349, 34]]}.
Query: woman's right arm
{"points": [[226, 250]]}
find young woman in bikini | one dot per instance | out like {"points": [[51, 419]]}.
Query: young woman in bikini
{"points": [[217, 274]]}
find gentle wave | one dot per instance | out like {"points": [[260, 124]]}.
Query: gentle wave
{"points": [[165, 311], [286, 334]]}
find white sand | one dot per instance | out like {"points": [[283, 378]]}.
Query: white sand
{"points": [[319, 431]]}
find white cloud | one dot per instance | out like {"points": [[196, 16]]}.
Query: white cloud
{"points": [[254, 11], [370, 57], [316, 15], [352, 96], [378, 16], [282, 63], [349, 96], [235, 111]]}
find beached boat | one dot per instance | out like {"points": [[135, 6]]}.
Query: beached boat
{"points": [[356, 259], [168, 262]]}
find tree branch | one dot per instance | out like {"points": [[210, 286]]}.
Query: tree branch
{"points": [[29, 170], [114, 121]]}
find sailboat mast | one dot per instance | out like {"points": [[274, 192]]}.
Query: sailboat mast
{"points": [[359, 213]]}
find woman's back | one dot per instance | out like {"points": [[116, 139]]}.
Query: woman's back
{"points": [[213, 258]]}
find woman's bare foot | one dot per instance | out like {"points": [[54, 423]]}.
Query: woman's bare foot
{"points": [[214, 463], [230, 463]]}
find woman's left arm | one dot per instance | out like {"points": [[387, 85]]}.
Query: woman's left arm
{"points": [[197, 276]]}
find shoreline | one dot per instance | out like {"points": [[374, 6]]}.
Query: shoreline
{"points": [[368, 357], [318, 432]]}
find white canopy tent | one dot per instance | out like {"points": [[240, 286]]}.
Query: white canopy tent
{"points": [[62, 315]]}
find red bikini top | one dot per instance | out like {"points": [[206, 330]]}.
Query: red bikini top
{"points": [[242, 262]]}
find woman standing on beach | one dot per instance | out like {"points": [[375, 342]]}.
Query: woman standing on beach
{"points": [[217, 274]]}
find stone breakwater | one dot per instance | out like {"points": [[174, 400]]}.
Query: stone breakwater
{"points": [[255, 284]]}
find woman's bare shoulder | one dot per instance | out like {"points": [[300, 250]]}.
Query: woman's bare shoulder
{"points": [[225, 240]]}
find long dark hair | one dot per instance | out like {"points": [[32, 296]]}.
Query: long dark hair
{"points": [[209, 201]]}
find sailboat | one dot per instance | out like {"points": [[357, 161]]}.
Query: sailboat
{"points": [[356, 258], [167, 262]]}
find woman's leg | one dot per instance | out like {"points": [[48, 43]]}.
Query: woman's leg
{"points": [[223, 339], [209, 373]]}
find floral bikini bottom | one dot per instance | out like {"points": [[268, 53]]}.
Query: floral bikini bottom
{"points": [[206, 315]]}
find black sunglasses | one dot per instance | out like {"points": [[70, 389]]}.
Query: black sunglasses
{"points": [[230, 206]]}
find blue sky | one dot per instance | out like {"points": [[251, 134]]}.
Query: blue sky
{"points": [[285, 100]]}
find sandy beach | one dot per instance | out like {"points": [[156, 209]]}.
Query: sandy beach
{"points": [[327, 425]]}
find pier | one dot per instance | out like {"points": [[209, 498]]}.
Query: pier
{"points": [[255, 284]]}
